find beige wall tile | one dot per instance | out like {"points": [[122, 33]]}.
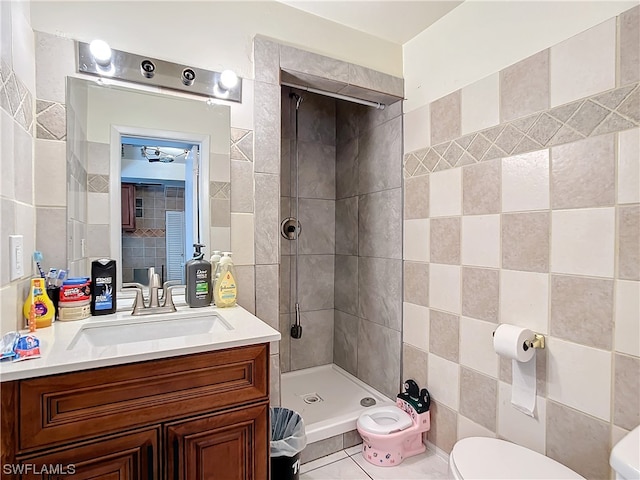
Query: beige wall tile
{"points": [[578, 441], [10, 318], [583, 173], [468, 428], [416, 197], [630, 46], [417, 129], [584, 65], [525, 241], [444, 334], [443, 431], [98, 208], [242, 238], [480, 293], [444, 381], [582, 310], [50, 173], [445, 240], [481, 240], [524, 299], [415, 326], [524, 87], [416, 283], [580, 377], [627, 331], [445, 118], [445, 193], [476, 346], [629, 165], [481, 188], [582, 241], [628, 241], [515, 426], [416, 240], [478, 398], [525, 182], [626, 405], [481, 104], [444, 287], [414, 364]]}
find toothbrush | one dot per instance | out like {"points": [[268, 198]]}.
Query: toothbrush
{"points": [[37, 257], [62, 274]]}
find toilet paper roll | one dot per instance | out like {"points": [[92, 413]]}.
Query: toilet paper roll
{"points": [[509, 342]]}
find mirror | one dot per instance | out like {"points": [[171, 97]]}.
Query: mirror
{"points": [[101, 120]]}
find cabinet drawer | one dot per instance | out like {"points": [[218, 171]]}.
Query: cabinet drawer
{"points": [[74, 406]]}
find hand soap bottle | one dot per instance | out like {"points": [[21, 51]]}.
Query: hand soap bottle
{"points": [[225, 291], [198, 275]]}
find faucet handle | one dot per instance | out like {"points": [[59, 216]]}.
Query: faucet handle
{"points": [[168, 297], [138, 303], [168, 284]]}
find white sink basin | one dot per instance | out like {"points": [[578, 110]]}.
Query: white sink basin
{"points": [[142, 329]]}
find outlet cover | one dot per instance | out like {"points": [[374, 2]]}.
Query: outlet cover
{"points": [[16, 262]]}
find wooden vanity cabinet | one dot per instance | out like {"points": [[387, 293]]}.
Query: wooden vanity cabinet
{"points": [[198, 417], [128, 206]]}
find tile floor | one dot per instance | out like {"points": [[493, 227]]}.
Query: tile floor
{"points": [[349, 465]]}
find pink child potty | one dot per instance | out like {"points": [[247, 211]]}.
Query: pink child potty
{"points": [[392, 433]]}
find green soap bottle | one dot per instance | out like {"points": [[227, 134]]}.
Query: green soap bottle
{"points": [[198, 275]]}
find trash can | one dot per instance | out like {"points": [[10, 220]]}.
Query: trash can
{"points": [[288, 439]]}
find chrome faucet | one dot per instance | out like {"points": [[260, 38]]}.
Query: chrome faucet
{"points": [[139, 307]]}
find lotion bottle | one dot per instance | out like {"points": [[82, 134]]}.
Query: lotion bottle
{"points": [[225, 291], [198, 275]]}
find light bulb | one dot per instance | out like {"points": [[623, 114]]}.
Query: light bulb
{"points": [[101, 52], [228, 79]]}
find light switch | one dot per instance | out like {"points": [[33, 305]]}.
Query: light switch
{"points": [[16, 261]]}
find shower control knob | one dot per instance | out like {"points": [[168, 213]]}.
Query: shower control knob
{"points": [[296, 331]]}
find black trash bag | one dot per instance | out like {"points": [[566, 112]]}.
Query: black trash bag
{"points": [[288, 439]]}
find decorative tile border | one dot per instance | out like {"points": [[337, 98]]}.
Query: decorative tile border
{"points": [[146, 233], [15, 97], [220, 190], [612, 111], [242, 144], [98, 183], [51, 120]]}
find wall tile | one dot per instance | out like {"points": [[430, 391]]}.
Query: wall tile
{"points": [[582, 310], [525, 241], [347, 122], [266, 278], [317, 120], [316, 282], [267, 223], [380, 157], [445, 193], [347, 169], [345, 341], [481, 240], [505, 373], [25, 225], [97, 241], [414, 364], [628, 241], [627, 327], [416, 283], [445, 240], [286, 320], [415, 326], [50, 173], [351, 439], [321, 448], [346, 228], [525, 182], [316, 345], [241, 186], [274, 384], [481, 104], [444, 381], [584, 64], [98, 161], [416, 240], [578, 441], [468, 428], [476, 346], [318, 220], [306, 62], [55, 60], [569, 365], [480, 293], [242, 244], [582, 241], [97, 208], [266, 56], [416, 197], [220, 209], [380, 224], [443, 431], [481, 188], [524, 87], [246, 281], [267, 127], [374, 80], [379, 357], [629, 166], [287, 280], [417, 129], [478, 398], [444, 335], [346, 284], [626, 405], [317, 170], [629, 46], [7, 183], [524, 300], [380, 291], [23, 168], [515, 426], [10, 318], [444, 287], [582, 173], [52, 223], [446, 118]]}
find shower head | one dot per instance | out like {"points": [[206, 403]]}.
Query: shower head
{"points": [[297, 97]]}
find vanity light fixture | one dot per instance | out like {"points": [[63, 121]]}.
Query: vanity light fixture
{"points": [[100, 60]]}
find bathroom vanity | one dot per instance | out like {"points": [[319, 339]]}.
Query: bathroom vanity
{"points": [[196, 411]]}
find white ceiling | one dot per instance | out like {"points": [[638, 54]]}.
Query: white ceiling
{"points": [[397, 21]]}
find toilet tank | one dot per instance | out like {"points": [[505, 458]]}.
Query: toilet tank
{"points": [[625, 456]]}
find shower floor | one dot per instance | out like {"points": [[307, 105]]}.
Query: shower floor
{"points": [[332, 396]]}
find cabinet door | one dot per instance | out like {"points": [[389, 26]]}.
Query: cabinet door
{"points": [[134, 456], [128, 206], [231, 445]]}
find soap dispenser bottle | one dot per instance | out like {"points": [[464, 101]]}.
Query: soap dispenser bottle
{"points": [[225, 291], [198, 275]]}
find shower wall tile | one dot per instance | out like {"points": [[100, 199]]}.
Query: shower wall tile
{"points": [[374, 80], [628, 241], [346, 284], [316, 282], [380, 224], [446, 118], [379, 157], [306, 62], [267, 223], [266, 57], [346, 227], [414, 364], [286, 320], [316, 345], [416, 197], [287, 283], [267, 294], [318, 221], [379, 357], [317, 170], [347, 122], [371, 118], [380, 291], [524, 87], [626, 406], [317, 120], [241, 187], [345, 342], [347, 169], [630, 46], [267, 128]]}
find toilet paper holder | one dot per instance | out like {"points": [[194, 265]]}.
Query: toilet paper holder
{"points": [[536, 342]]}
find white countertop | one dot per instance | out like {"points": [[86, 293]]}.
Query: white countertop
{"points": [[65, 347]]}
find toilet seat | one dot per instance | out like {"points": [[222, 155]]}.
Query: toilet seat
{"points": [[490, 458], [384, 420]]}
